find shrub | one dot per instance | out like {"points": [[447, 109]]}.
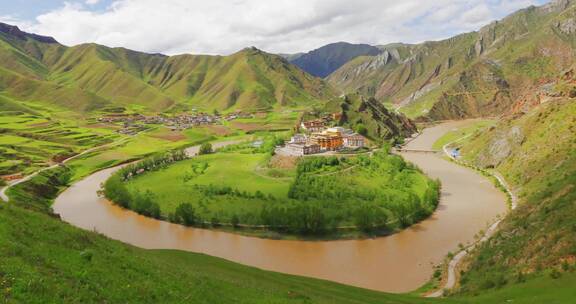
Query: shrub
{"points": [[361, 129], [185, 214], [205, 148], [115, 190], [235, 221]]}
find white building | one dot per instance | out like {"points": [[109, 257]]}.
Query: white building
{"points": [[298, 139], [354, 141]]}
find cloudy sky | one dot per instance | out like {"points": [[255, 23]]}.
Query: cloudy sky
{"points": [[225, 26]]}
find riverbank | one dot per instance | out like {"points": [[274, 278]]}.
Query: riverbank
{"points": [[450, 280]]}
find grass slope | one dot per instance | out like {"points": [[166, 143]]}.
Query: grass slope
{"points": [[536, 153], [171, 186], [46, 261]]}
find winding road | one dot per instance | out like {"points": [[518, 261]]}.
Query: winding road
{"points": [[397, 263]]}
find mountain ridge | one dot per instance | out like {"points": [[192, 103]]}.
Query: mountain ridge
{"points": [[433, 78], [322, 61], [249, 79]]}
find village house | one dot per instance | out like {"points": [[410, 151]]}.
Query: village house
{"points": [[12, 177], [354, 141], [303, 149], [313, 125], [298, 139]]}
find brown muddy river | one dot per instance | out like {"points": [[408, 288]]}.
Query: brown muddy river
{"points": [[396, 263]]}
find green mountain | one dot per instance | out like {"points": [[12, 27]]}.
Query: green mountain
{"points": [[501, 67], [89, 76], [323, 61]]}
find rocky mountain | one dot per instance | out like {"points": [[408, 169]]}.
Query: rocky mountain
{"points": [[90, 76], [323, 61], [504, 66], [370, 118]]}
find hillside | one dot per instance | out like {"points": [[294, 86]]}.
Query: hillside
{"points": [[87, 77], [536, 155], [323, 61], [501, 67]]}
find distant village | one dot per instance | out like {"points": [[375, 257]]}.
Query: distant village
{"points": [[315, 136], [319, 136], [133, 124]]}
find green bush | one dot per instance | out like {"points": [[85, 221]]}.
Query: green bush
{"points": [[205, 148], [185, 214]]}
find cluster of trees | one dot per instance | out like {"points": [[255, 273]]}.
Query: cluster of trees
{"points": [[184, 214], [268, 145], [370, 207], [308, 218], [154, 162], [142, 203], [313, 164], [370, 217], [216, 190]]}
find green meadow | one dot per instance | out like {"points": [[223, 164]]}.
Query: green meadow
{"points": [[173, 185]]}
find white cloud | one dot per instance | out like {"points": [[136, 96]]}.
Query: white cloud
{"points": [[225, 26]]}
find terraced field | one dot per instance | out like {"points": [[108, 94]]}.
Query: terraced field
{"points": [[31, 141]]}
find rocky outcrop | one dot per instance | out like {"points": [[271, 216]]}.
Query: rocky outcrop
{"points": [[501, 147], [380, 122]]}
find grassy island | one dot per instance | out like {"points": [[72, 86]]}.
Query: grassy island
{"points": [[245, 187]]}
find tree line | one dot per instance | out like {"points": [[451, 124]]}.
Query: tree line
{"points": [[316, 203], [151, 163]]}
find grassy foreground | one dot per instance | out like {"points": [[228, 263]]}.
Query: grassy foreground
{"points": [[46, 261]]}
